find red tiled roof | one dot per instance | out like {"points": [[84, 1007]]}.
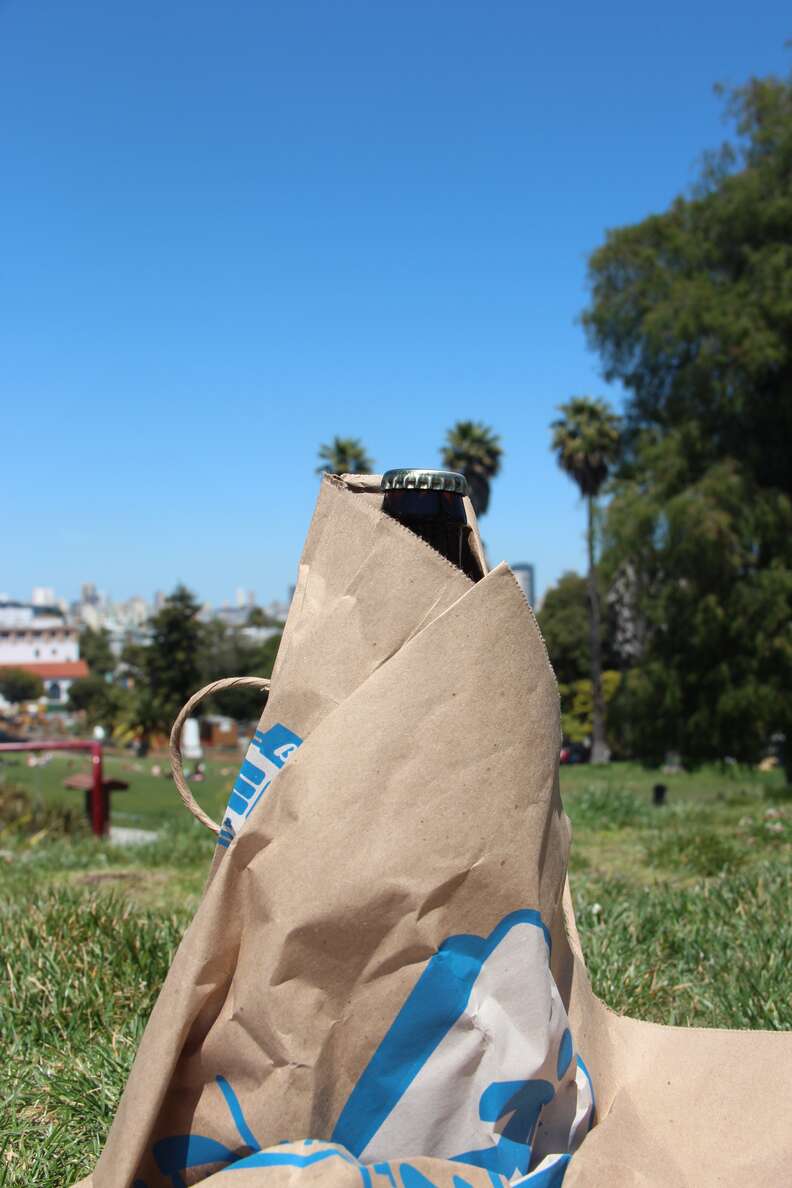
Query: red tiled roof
{"points": [[56, 671]]}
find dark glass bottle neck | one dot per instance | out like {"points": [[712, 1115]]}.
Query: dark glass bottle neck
{"points": [[439, 518]]}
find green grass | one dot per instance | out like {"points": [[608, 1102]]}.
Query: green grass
{"points": [[84, 971], [683, 914], [716, 953], [715, 821], [148, 801]]}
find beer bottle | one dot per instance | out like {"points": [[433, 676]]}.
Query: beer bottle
{"points": [[431, 504]]}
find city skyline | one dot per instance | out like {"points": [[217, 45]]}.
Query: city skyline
{"points": [[244, 597]]}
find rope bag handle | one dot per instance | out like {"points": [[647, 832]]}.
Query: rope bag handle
{"points": [[175, 739]]}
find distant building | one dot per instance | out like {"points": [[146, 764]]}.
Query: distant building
{"points": [[32, 633], [279, 610], [132, 614], [245, 597], [258, 635], [38, 639], [88, 594], [218, 731], [237, 616], [125, 622], [231, 616], [526, 576]]}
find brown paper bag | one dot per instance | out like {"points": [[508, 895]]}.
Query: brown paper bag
{"points": [[384, 973]]}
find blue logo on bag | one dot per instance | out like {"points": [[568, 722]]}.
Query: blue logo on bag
{"points": [[435, 1004], [265, 756], [188, 1152], [512, 1108], [182, 1152], [520, 1103]]}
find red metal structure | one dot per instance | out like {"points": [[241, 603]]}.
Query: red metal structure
{"points": [[99, 800]]}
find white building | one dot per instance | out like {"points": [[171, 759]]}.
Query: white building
{"points": [[38, 639]]}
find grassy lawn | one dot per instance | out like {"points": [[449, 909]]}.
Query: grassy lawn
{"points": [[683, 913], [150, 800]]}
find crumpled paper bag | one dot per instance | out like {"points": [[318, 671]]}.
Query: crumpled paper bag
{"points": [[383, 980]]}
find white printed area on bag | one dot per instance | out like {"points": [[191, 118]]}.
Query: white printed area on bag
{"points": [[266, 755], [478, 1067], [479, 1064]]}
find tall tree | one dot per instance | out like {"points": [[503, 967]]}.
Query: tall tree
{"points": [[586, 444], [564, 623], [474, 450], [712, 585], [344, 455], [691, 311], [564, 620], [167, 671], [95, 651]]}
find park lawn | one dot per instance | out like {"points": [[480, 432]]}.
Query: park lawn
{"points": [[683, 913], [150, 800], [717, 819]]}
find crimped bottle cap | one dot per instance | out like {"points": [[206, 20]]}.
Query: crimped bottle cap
{"points": [[424, 480]]}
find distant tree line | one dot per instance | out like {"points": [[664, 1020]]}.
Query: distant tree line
{"points": [[140, 693]]}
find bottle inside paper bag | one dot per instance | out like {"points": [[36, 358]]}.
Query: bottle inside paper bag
{"points": [[382, 985], [430, 503], [367, 992], [479, 1065]]}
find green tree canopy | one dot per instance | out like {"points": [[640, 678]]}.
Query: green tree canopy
{"points": [[226, 651], [474, 450], [586, 442], [167, 671], [344, 455], [564, 623], [16, 684], [577, 707], [198, 653], [258, 617], [100, 700], [95, 651], [691, 309], [711, 583]]}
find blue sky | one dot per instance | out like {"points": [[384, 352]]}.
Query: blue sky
{"points": [[231, 230]]}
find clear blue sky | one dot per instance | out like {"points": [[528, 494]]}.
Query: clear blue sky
{"points": [[231, 230]]}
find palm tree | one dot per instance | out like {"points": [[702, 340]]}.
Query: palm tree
{"points": [[586, 441], [475, 451], [344, 455]]}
